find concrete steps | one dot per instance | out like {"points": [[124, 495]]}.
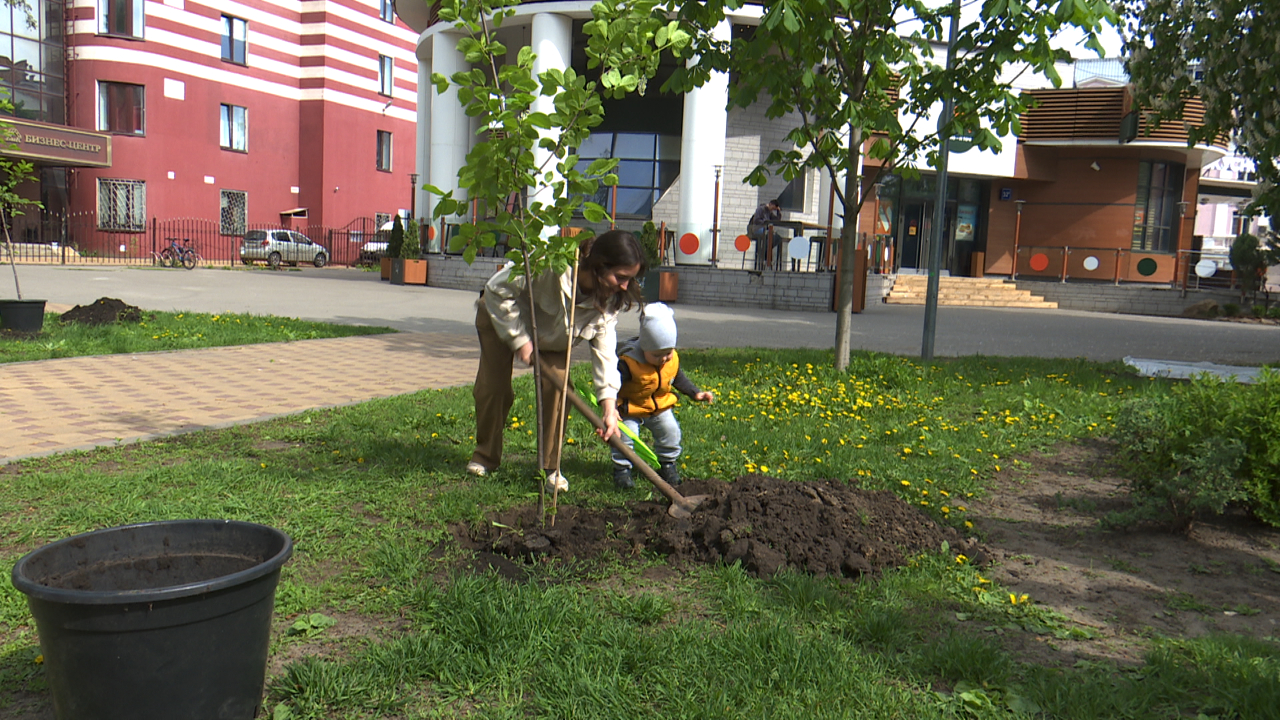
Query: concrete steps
{"points": [[965, 292]]}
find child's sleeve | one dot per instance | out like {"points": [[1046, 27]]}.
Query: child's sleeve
{"points": [[682, 383]]}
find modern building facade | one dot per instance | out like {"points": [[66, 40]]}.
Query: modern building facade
{"points": [[1084, 193], [240, 113]]}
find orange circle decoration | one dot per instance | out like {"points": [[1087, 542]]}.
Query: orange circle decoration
{"points": [[742, 243], [689, 243], [1039, 262], [431, 232]]}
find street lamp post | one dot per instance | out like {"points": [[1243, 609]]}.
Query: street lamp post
{"points": [[1017, 231], [940, 203], [413, 195], [1181, 277]]}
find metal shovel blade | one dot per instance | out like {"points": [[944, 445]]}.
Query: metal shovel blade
{"points": [[683, 510]]}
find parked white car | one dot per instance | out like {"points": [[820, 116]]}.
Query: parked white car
{"points": [[281, 247]]}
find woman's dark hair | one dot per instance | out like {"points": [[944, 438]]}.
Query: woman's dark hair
{"points": [[615, 248]]}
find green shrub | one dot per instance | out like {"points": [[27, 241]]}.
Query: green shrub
{"points": [[1274, 313], [1259, 310], [648, 238], [395, 243], [1257, 423], [412, 248], [1230, 309], [1178, 469], [1204, 446]]}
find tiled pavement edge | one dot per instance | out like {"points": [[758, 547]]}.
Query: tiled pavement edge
{"points": [[76, 403]]}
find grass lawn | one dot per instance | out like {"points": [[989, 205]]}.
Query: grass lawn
{"points": [[166, 331], [370, 494]]}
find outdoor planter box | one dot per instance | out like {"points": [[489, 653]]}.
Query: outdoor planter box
{"points": [[408, 272], [660, 285]]}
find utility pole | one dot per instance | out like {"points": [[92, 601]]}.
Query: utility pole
{"points": [[940, 199]]}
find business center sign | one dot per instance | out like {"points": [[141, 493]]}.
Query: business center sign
{"points": [[58, 144]]}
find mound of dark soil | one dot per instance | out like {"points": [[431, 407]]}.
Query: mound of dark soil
{"points": [[822, 528], [102, 311]]}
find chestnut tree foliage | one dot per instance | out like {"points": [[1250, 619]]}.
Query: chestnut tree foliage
{"points": [[1227, 53], [851, 70]]}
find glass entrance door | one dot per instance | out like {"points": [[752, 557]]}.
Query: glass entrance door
{"points": [[916, 236]]}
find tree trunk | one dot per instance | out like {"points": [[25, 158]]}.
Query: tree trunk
{"points": [[848, 244]]}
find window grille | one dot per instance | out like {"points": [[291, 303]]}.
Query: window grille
{"points": [[386, 75], [234, 128], [122, 205], [235, 39], [124, 18], [234, 210], [380, 220], [384, 151]]}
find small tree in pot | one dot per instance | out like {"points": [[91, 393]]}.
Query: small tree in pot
{"points": [[659, 285], [414, 268], [394, 243], [21, 314]]}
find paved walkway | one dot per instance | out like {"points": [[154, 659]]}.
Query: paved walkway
{"points": [[78, 403]]}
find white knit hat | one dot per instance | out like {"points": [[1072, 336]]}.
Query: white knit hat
{"points": [[657, 327]]}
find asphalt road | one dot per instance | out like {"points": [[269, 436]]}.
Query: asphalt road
{"points": [[357, 297]]}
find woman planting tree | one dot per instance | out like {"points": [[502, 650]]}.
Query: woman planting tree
{"points": [[504, 321]]}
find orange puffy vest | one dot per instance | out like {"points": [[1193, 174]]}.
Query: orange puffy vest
{"points": [[648, 392]]}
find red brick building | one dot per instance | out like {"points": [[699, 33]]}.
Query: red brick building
{"points": [[241, 114]]}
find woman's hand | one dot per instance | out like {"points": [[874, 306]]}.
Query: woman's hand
{"points": [[525, 353], [609, 414]]}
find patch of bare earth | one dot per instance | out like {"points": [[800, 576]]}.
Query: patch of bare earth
{"points": [[1040, 524], [825, 528]]}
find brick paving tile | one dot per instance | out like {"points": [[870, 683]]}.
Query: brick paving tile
{"points": [[57, 405]]}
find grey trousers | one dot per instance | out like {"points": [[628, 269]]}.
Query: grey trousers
{"points": [[666, 437]]}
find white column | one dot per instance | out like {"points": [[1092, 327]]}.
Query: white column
{"points": [[422, 144], [701, 150], [552, 42], [449, 122]]}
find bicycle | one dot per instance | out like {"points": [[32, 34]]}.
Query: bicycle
{"points": [[176, 255]]}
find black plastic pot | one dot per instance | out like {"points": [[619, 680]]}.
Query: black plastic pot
{"points": [[158, 620], [22, 315]]}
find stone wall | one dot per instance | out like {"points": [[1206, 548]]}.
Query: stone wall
{"points": [[1125, 299], [811, 291], [804, 291]]}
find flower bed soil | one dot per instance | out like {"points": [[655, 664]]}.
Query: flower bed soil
{"points": [[824, 528], [102, 311]]}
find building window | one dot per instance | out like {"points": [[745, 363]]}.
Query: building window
{"points": [[234, 128], [32, 59], [122, 205], [384, 151], [235, 39], [122, 108], [388, 11], [122, 18], [233, 211], [386, 75], [1155, 212], [793, 196], [647, 165]]}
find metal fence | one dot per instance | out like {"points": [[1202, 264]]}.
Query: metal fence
{"points": [[78, 239]]}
